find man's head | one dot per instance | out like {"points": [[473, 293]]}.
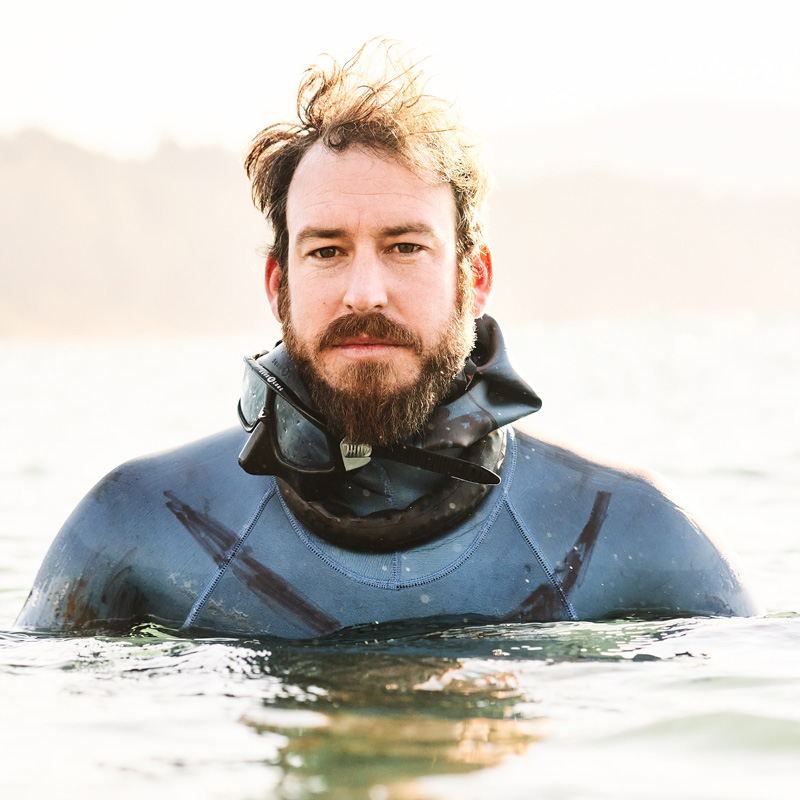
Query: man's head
{"points": [[379, 263]]}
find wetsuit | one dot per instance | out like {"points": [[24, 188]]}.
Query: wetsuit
{"points": [[188, 539]]}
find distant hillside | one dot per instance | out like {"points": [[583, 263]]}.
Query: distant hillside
{"points": [[595, 244], [89, 244], [92, 245]]}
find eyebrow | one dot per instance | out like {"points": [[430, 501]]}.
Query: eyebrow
{"points": [[402, 230], [308, 233]]}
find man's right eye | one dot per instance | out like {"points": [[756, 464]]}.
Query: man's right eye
{"points": [[325, 252]]}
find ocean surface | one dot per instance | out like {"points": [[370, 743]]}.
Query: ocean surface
{"points": [[689, 708]]}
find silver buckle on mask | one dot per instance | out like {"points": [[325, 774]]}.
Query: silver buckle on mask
{"points": [[355, 455]]}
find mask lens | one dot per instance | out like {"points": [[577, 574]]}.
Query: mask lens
{"points": [[253, 397], [301, 444], [285, 435]]}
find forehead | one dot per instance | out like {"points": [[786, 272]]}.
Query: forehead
{"points": [[360, 187]]}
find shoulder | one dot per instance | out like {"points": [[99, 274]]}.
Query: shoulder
{"points": [[138, 490], [563, 472], [640, 550], [143, 522], [213, 456]]}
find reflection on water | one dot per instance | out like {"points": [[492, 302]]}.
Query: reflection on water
{"points": [[392, 706], [353, 757], [362, 714], [383, 721], [379, 711]]}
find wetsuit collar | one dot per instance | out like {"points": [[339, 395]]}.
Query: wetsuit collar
{"points": [[291, 440]]}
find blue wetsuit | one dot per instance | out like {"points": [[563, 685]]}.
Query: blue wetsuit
{"points": [[188, 539]]}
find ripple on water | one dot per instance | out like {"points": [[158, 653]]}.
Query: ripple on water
{"points": [[386, 706]]}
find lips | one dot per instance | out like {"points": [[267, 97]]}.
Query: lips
{"points": [[368, 331], [369, 341]]}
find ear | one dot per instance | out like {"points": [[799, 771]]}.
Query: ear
{"points": [[272, 279], [482, 280]]}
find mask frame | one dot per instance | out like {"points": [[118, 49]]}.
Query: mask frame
{"points": [[262, 454]]}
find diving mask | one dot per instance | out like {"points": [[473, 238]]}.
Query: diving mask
{"points": [[273, 409]]}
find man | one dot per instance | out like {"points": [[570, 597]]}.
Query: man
{"points": [[378, 477]]}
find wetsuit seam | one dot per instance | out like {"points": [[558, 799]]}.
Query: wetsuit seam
{"points": [[396, 583], [450, 568], [487, 526], [508, 478], [213, 582], [543, 563], [523, 528]]}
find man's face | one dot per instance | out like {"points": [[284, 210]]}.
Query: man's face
{"points": [[375, 303]]}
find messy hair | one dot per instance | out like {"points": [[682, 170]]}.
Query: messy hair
{"points": [[384, 109]]}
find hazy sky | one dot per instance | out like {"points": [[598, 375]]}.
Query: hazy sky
{"points": [[119, 76]]}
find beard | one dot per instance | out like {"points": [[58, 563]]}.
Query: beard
{"points": [[369, 404]]}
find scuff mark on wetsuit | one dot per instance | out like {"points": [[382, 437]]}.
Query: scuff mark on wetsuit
{"points": [[544, 604], [122, 602], [581, 553], [216, 539], [123, 599]]}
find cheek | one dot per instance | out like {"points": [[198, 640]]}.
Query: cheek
{"points": [[310, 305], [432, 300]]}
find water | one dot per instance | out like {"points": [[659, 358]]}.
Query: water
{"points": [[701, 708]]}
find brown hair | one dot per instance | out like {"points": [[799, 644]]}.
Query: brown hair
{"points": [[384, 109]]}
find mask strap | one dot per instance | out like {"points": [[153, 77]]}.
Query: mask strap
{"points": [[422, 459]]}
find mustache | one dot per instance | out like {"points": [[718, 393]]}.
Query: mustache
{"points": [[373, 325]]}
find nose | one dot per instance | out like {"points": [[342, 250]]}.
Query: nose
{"points": [[366, 286]]}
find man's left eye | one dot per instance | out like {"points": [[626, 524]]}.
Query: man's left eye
{"points": [[406, 247]]}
